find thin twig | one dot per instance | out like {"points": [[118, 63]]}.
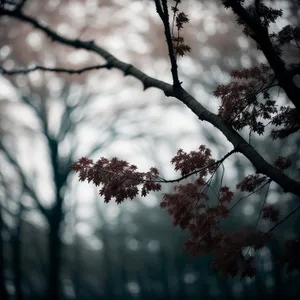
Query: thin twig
{"points": [[284, 219], [56, 70], [262, 207]]}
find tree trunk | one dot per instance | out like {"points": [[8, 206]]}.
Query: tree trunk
{"points": [[16, 241], [3, 291], [164, 274], [54, 254]]}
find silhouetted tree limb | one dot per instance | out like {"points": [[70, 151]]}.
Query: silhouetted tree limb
{"points": [[261, 166], [55, 70], [261, 36], [3, 290]]}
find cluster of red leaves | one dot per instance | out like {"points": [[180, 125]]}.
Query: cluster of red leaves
{"points": [[187, 201], [118, 178], [239, 99], [289, 120], [181, 19], [251, 182], [192, 209], [231, 253], [284, 36], [282, 163], [271, 213], [180, 48], [246, 102], [189, 162], [265, 15], [189, 204], [268, 14]]}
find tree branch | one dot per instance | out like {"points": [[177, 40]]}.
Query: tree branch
{"points": [[284, 219], [216, 163], [174, 67], [25, 184], [56, 70], [288, 184], [261, 36]]}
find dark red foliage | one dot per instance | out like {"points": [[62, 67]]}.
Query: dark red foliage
{"points": [[119, 179], [270, 212], [289, 119], [180, 48], [226, 195], [282, 163], [247, 101], [240, 103], [181, 18], [195, 160], [284, 36], [251, 182], [268, 14], [191, 207], [231, 252]]}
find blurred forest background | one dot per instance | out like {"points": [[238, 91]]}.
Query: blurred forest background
{"points": [[58, 239]]}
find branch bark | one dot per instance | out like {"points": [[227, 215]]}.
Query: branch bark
{"points": [[261, 36], [261, 166], [3, 290], [48, 69]]}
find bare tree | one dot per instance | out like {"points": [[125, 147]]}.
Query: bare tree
{"points": [[38, 102]]}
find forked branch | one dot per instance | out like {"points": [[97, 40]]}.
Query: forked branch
{"points": [[239, 143]]}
